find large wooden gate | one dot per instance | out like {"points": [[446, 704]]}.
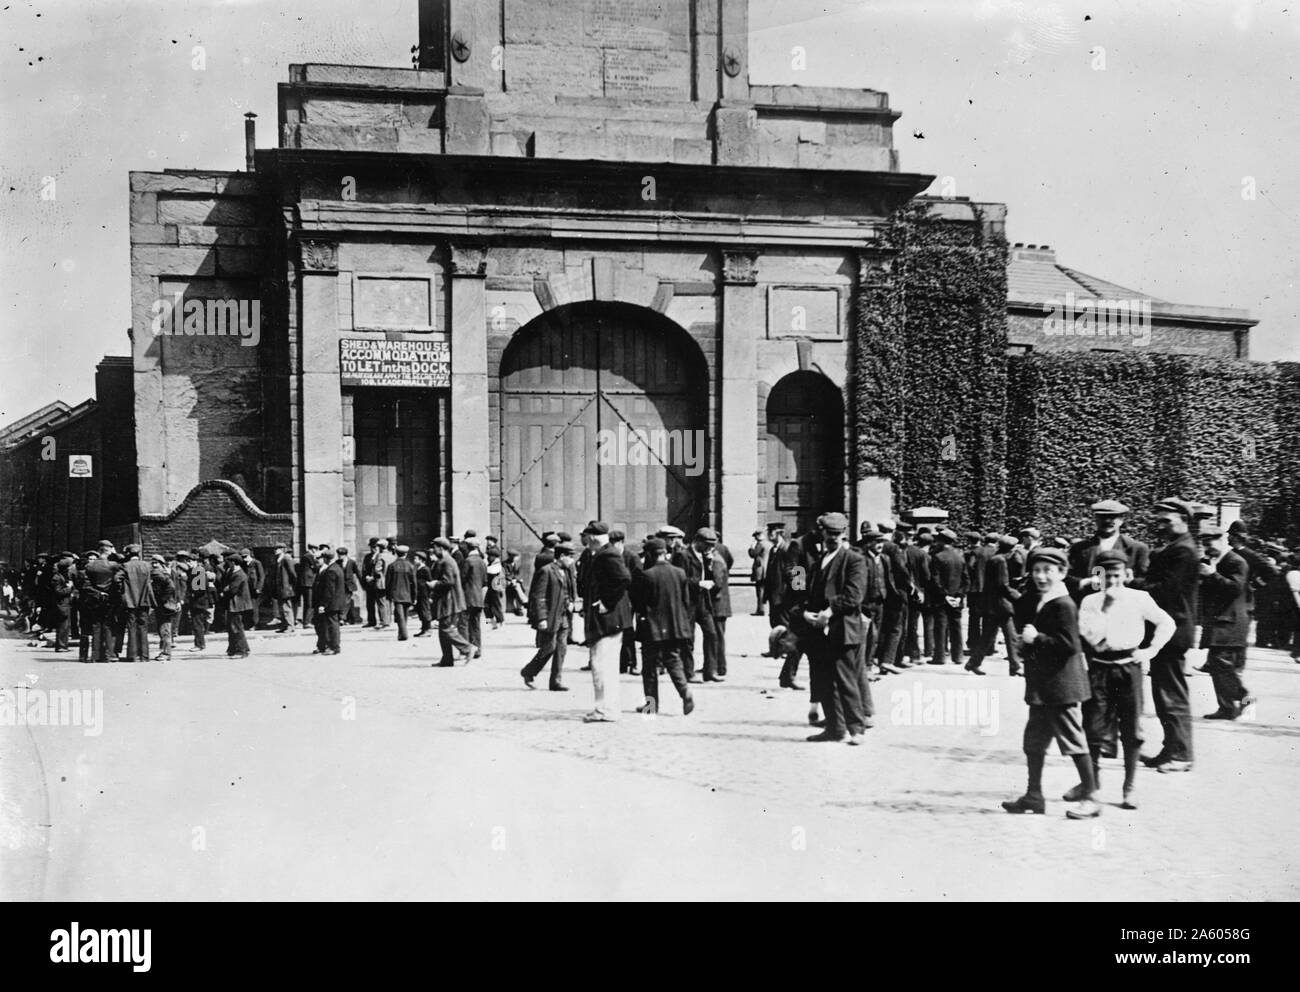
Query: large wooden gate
{"points": [[397, 464], [603, 416], [805, 450]]}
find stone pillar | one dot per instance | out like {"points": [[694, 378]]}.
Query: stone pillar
{"points": [[470, 441], [733, 55], [742, 317], [878, 367], [322, 409]]}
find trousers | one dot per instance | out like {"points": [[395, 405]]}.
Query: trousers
{"points": [[604, 675], [1173, 703]]}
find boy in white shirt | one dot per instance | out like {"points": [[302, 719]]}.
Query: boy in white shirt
{"points": [[1112, 626]]}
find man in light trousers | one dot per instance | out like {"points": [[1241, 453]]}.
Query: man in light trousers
{"points": [[607, 612]]}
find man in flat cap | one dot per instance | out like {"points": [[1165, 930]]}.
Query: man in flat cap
{"points": [[473, 579], [284, 587], [919, 640], [308, 568], [706, 573], [448, 602], [399, 587], [833, 615], [1108, 516], [168, 603], [551, 600], [976, 555], [661, 597], [627, 661], [758, 554], [330, 600], [1000, 597], [949, 583], [1225, 622], [1173, 580], [368, 563], [235, 597], [898, 592], [607, 612], [137, 598]]}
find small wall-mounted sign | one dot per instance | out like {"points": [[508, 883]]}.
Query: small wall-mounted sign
{"points": [[81, 466]]}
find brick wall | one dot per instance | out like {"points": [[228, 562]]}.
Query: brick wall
{"points": [[214, 510]]}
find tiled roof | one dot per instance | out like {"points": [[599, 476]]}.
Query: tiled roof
{"points": [[1034, 276]]}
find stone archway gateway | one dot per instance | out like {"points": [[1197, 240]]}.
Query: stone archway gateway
{"points": [[805, 448], [603, 415]]}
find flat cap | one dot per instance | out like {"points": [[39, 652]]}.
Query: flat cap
{"points": [[617, 535], [596, 527], [442, 542], [1109, 508], [341, 551], [563, 535], [873, 536], [972, 535], [656, 544], [381, 543], [182, 554], [1176, 505], [132, 549], [904, 526], [1006, 542], [249, 554], [565, 548], [776, 525], [326, 551], [708, 535], [670, 531], [404, 549], [835, 522], [1033, 532], [230, 555], [1054, 556], [947, 534], [1239, 527], [1210, 530], [1061, 542], [1110, 558], [159, 559]]}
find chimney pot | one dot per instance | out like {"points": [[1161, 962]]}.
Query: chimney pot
{"points": [[250, 141]]}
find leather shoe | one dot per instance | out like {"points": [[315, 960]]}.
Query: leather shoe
{"points": [[688, 705], [528, 680], [826, 737], [1026, 804], [650, 706], [1129, 802], [716, 678], [975, 670], [1222, 715], [814, 720], [1075, 795], [1085, 809], [557, 688], [855, 740], [1155, 761], [1174, 766], [792, 685], [696, 680]]}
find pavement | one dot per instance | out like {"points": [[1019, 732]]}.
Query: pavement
{"points": [[373, 775]]}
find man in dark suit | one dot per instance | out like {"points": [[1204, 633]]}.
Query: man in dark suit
{"points": [[919, 641], [706, 572], [834, 632], [99, 588], [1173, 580], [661, 597], [1109, 516], [627, 654], [284, 588], [551, 598], [607, 612], [368, 565], [256, 573], [873, 607], [978, 551], [308, 567], [1000, 596], [448, 600], [351, 585], [898, 590], [235, 598], [399, 587], [948, 586], [547, 554], [1226, 625], [137, 598], [331, 600], [473, 577], [423, 592]]}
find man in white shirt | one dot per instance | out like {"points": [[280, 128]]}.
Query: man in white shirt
{"points": [[1112, 627]]}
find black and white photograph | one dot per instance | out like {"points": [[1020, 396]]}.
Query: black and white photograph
{"points": [[644, 450]]}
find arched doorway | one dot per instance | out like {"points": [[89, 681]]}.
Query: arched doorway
{"points": [[805, 449], [603, 415]]}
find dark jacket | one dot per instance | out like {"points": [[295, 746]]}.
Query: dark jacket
{"points": [[1223, 594], [286, 578], [1083, 553], [101, 585], [1055, 671], [715, 602], [606, 581], [898, 580], [840, 585], [256, 576], [1173, 579], [330, 591], [448, 596], [662, 599], [137, 589], [200, 593], [977, 560], [234, 590], [351, 575], [473, 577], [399, 581], [164, 591], [948, 573], [877, 584], [550, 596], [308, 567], [918, 566], [1000, 593]]}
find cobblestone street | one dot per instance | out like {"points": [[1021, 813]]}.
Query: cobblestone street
{"points": [[374, 775]]}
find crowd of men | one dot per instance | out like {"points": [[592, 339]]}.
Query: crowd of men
{"points": [[904, 595], [111, 601]]}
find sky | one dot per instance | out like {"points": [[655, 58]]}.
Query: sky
{"points": [[1154, 144]]}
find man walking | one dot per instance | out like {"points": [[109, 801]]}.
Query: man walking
{"points": [[1172, 579], [448, 603], [330, 595], [607, 612], [1226, 623], [661, 596], [711, 602], [473, 576], [399, 587], [551, 598]]}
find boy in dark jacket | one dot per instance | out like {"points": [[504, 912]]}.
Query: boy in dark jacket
{"points": [[1056, 684]]}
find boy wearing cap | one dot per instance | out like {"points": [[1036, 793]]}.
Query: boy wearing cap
{"points": [[1056, 684], [1113, 624], [1226, 622], [1173, 579]]}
